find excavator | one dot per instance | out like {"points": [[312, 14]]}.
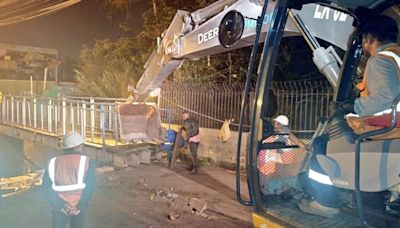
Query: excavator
{"points": [[364, 169], [220, 27]]}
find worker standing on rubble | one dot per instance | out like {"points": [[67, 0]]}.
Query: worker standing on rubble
{"points": [[69, 182], [191, 126]]}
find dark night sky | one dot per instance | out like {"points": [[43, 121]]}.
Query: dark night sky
{"points": [[69, 29]]}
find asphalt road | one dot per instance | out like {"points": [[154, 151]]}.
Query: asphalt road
{"points": [[143, 197]]}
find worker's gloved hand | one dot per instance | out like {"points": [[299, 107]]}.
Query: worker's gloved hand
{"points": [[74, 211], [70, 210]]}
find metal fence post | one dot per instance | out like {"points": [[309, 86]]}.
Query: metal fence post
{"points": [[110, 117], [83, 120], [103, 130], [12, 109], [56, 112], [116, 127], [24, 111], [3, 109], [17, 103], [92, 118], [78, 114], [8, 110], [49, 123], [64, 115], [29, 114], [34, 113], [169, 118], [41, 115], [59, 114], [72, 112], [102, 125]]}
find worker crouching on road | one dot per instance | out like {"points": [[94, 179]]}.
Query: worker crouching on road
{"points": [[69, 182], [191, 126]]}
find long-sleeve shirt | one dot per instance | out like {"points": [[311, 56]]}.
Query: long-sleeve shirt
{"points": [[382, 83], [57, 203]]}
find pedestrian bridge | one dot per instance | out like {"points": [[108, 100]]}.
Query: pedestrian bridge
{"points": [[45, 120]]}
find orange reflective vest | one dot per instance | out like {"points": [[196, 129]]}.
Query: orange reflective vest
{"points": [[363, 85], [67, 173]]}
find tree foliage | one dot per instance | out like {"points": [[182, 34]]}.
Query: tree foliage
{"points": [[108, 68], [111, 82], [117, 64]]}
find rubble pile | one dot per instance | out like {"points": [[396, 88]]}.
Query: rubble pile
{"points": [[13, 185]]}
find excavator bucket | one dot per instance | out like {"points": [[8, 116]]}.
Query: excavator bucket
{"points": [[140, 122]]}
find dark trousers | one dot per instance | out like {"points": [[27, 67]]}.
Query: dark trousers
{"points": [[193, 150], [326, 195], [60, 220]]}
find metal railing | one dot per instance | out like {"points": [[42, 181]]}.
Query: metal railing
{"points": [[303, 101], [96, 120], [209, 103]]}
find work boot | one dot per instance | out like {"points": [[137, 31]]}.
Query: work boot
{"points": [[194, 165], [190, 168], [194, 171], [315, 208]]}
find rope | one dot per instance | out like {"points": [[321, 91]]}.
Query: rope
{"points": [[200, 114]]}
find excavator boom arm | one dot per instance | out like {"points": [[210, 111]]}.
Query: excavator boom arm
{"points": [[228, 25]]}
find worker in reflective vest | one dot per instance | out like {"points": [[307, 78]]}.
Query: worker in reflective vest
{"points": [[69, 183]]}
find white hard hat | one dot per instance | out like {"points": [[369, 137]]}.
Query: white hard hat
{"points": [[282, 119], [71, 140]]}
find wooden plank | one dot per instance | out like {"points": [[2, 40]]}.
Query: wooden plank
{"points": [[176, 149]]}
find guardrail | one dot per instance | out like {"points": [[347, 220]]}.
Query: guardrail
{"points": [[96, 120]]}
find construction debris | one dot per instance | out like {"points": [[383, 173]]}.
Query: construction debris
{"points": [[133, 160], [152, 197], [164, 194], [119, 162], [157, 156], [104, 169], [173, 215], [167, 194], [197, 206], [145, 157], [13, 185], [132, 155]]}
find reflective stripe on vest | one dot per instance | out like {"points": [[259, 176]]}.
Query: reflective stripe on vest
{"points": [[391, 54], [319, 177], [65, 188], [397, 60]]}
